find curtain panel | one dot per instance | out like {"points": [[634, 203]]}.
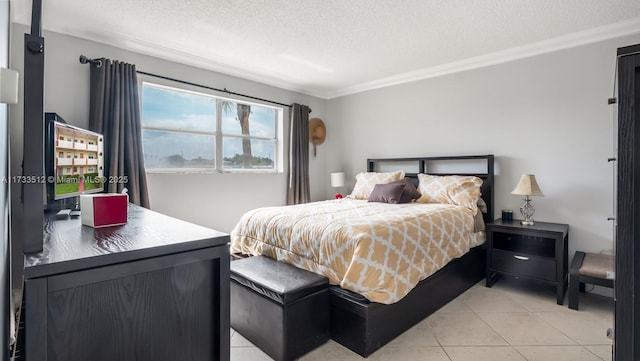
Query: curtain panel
{"points": [[115, 112], [298, 189]]}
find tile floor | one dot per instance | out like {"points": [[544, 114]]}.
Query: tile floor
{"points": [[514, 320]]}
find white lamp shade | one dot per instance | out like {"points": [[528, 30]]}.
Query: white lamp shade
{"points": [[8, 86], [338, 179], [527, 186]]}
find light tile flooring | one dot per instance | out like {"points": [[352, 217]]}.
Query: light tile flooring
{"points": [[513, 320]]}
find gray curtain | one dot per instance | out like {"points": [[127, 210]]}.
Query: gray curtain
{"points": [[298, 190], [115, 112]]}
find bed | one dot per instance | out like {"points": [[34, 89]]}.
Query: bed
{"points": [[386, 275]]}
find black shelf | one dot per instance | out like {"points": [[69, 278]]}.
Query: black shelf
{"points": [[528, 244]]}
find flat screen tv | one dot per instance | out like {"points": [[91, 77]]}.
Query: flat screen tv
{"points": [[74, 160]]}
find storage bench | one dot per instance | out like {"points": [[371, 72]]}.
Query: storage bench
{"points": [[282, 309], [593, 268]]}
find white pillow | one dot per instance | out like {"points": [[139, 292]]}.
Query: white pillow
{"points": [[365, 182], [455, 189]]}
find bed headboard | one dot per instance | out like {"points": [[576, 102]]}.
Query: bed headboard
{"points": [[480, 166]]}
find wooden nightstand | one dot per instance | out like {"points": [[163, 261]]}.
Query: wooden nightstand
{"points": [[537, 252]]}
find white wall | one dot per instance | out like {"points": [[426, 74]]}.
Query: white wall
{"points": [[546, 115], [212, 200]]}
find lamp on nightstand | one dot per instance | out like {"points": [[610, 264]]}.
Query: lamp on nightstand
{"points": [[337, 181], [527, 186]]}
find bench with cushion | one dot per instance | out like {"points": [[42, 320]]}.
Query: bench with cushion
{"points": [[281, 309], [593, 268]]}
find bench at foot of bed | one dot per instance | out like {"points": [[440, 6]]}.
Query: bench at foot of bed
{"points": [[281, 309]]}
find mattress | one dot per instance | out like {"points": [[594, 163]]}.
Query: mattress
{"points": [[378, 250]]}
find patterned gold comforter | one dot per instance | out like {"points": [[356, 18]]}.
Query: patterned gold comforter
{"points": [[378, 250]]}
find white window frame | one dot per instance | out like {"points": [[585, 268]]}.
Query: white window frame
{"points": [[278, 166]]}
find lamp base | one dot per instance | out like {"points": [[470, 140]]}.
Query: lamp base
{"points": [[527, 212]]}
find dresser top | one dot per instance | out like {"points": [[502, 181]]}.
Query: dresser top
{"points": [[70, 246]]}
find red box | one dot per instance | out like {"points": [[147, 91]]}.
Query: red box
{"points": [[104, 210]]}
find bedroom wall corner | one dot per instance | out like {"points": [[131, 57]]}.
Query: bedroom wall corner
{"points": [[546, 114]]}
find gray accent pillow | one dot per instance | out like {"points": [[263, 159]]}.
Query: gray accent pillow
{"points": [[478, 222], [409, 193], [387, 193], [478, 219], [482, 206]]}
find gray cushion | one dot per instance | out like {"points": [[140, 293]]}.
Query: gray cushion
{"points": [[482, 206], [478, 222], [409, 193], [597, 265], [387, 193]]}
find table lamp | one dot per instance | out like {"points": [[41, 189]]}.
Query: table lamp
{"points": [[337, 181], [527, 186]]}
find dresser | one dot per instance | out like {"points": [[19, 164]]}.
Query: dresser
{"points": [[538, 252], [155, 289]]}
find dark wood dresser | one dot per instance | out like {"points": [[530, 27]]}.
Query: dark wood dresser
{"points": [[155, 289]]}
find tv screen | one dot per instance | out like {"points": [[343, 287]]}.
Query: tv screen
{"points": [[75, 160]]}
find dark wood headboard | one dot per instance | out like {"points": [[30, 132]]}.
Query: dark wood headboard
{"points": [[424, 164]]}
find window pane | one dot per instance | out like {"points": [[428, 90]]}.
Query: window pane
{"points": [[262, 120], [172, 109], [261, 153], [178, 150]]}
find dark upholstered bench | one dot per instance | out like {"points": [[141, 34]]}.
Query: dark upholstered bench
{"points": [[593, 268], [281, 309]]}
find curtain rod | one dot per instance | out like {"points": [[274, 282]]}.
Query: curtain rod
{"points": [[98, 62]]}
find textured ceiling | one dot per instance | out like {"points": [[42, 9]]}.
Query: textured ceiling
{"points": [[329, 48]]}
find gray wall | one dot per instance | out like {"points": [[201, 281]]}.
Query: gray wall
{"points": [[4, 195], [546, 115]]}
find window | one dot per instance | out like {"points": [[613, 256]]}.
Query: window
{"points": [[188, 131]]}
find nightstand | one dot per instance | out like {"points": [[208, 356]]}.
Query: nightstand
{"points": [[537, 252]]}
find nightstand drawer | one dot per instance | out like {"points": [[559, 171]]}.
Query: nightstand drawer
{"points": [[524, 265]]}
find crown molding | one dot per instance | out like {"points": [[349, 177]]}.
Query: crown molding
{"points": [[174, 55], [620, 29]]}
